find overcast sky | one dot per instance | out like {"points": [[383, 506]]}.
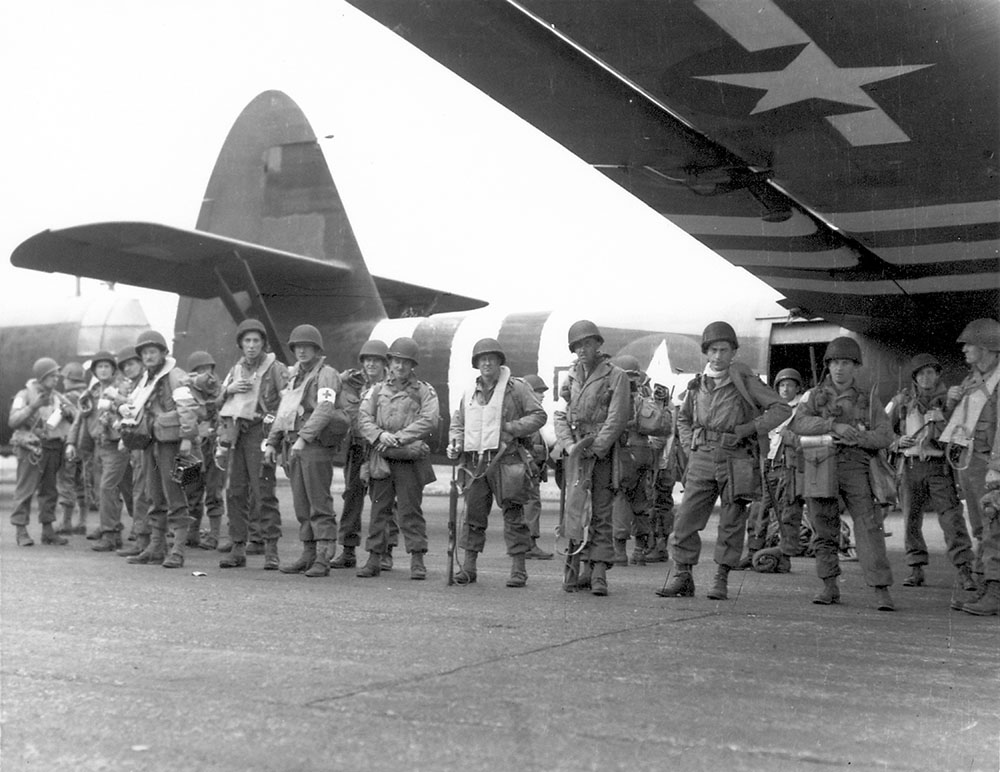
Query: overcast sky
{"points": [[117, 111]]}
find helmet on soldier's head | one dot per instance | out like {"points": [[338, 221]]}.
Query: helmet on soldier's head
{"points": [[788, 374], [125, 355], [843, 348], [44, 367], [920, 361], [984, 333], [72, 372], [374, 348], [536, 383], [199, 359], [150, 338], [103, 356], [405, 348], [582, 330], [628, 363], [717, 331], [487, 346], [305, 333], [250, 325]]}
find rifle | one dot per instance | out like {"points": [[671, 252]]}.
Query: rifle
{"points": [[452, 522]]}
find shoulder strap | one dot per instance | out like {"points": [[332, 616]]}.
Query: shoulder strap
{"points": [[741, 387]]}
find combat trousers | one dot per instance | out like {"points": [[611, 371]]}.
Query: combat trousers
{"points": [[250, 494], [869, 536], [169, 508], [141, 503], [478, 503], [36, 480], [71, 484], [205, 496], [707, 480], [600, 543], [662, 517], [991, 548], [788, 509], [533, 510], [631, 506], [929, 484], [404, 488], [973, 482], [355, 490], [113, 465], [311, 474]]}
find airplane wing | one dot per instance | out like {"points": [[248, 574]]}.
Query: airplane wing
{"points": [[204, 265], [843, 152]]}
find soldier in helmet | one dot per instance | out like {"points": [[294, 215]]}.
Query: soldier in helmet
{"points": [[724, 410], [374, 361], [308, 427], [971, 439], [250, 395], [853, 425], [784, 494], [41, 420], [76, 472], [204, 495], [396, 418], [540, 455], [593, 413], [134, 485], [917, 415], [162, 403], [493, 426]]}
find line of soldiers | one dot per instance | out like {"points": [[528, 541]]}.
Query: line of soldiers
{"points": [[171, 442]]}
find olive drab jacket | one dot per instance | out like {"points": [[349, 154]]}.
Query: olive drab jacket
{"points": [[595, 405], [408, 410], [822, 407], [172, 407], [910, 413], [39, 421], [319, 417], [521, 413]]}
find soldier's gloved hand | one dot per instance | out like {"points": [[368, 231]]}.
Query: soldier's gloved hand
{"points": [[906, 441], [745, 430], [70, 453], [454, 450], [846, 433], [955, 394], [297, 448], [270, 455]]}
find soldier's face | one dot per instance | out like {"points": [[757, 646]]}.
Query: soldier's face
{"points": [[842, 371], [49, 382], [374, 368], [132, 368], [252, 344], [400, 368], [720, 354], [104, 371], [926, 378], [152, 356], [489, 366], [586, 351], [788, 389], [305, 353]]}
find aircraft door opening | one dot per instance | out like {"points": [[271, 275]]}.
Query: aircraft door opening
{"points": [[800, 345]]}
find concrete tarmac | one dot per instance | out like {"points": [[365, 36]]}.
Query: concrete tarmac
{"points": [[110, 666]]}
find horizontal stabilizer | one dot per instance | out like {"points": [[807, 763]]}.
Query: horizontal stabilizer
{"points": [[402, 299]]}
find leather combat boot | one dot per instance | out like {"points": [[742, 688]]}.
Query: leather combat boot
{"points": [[211, 539], [965, 578], [639, 552], [830, 593], [988, 605], [537, 553], [23, 537], [621, 556], [518, 573], [658, 552], [237, 557], [225, 545], [176, 557], [371, 568], [681, 585], [271, 555], [386, 559], [66, 526], [417, 569], [154, 552], [467, 573], [958, 601], [346, 559], [140, 543], [321, 565], [305, 560], [108, 542], [571, 571], [883, 601], [583, 580], [599, 578], [49, 536], [720, 589], [916, 577], [255, 548]]}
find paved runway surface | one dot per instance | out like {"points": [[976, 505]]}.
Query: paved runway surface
{"points": [[110, 666]]}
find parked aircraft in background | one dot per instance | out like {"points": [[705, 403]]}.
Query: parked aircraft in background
{"points": [[273, 241]]}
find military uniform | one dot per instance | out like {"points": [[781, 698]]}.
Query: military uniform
{"points": [[71, 480], [204, 495]]}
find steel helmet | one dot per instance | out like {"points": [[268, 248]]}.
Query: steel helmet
{"points": [[788, 374], [73, 372], [374, 348], [404, 348], [44, 367], [488, 346], [717, 331], [305, 333], [199, 359], [582, 330], [249, 325], [150, 338], [842, 348], [984, 333], [536, 383], [628, 363], [920, 361], [103, 356], [125, 355]]}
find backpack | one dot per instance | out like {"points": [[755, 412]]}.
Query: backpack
{"points": [[652, 417]]}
